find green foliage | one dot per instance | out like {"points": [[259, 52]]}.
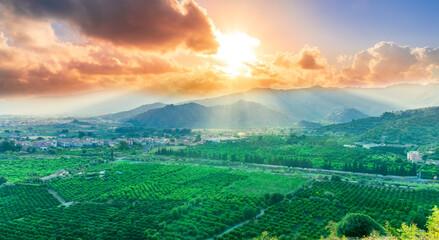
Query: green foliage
{"points": [[3, 180], [260, 184], [21, 200], [8, 146], [335, 178], [310, 211], [152, 201], [123, 145], [249, 212], [18, 169], [418, 218], [419, 126], [324, 152], [358, 225]]}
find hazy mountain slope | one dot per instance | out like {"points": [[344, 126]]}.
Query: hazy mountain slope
{"points": [[246, 114], [345, 115], [411, 126], [416, 130], [190, 115], [306, 104], [306, 124], [125, 115], [238, 115]]}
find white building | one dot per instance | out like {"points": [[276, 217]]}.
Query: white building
{"points": [[415, 156]]}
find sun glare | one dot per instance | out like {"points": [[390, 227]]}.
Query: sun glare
{"points": [[235, 50]]}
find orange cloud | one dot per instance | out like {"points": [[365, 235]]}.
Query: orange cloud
{"points": [[387, 63], [308, 58], [148, 25]]}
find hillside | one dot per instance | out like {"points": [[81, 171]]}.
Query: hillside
{"points": [[411, 126], [238, 115], [310, 104], [344, 115], [125, 115], [307, 124]]}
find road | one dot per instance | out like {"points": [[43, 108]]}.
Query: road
{"points": [[239, 225], [59, 198]]}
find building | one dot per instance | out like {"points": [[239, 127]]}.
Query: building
{"points": [[415, 156]]}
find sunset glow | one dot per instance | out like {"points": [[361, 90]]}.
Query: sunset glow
{"points": [[235, 50], [195, 48]]}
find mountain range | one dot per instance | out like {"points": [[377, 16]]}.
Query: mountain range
{"points": [[126, 115], [240, 114], [310, 104]]}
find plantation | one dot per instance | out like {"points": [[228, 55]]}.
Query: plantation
{"points": [[159, 201], [309, 212], [21, 200], [18, 168], [304, 151], [152, 201]]}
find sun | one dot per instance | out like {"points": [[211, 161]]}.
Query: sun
{"points": [[235, 50]]}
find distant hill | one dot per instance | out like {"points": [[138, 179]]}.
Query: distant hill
{"points": [[306, 124], [344, 115], [241, 114], [125, 115], [314, 103], [411, 126], [77, 122], [310, 104]]}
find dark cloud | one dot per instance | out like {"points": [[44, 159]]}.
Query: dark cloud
{"points": [[309, 62], [145, 24]]}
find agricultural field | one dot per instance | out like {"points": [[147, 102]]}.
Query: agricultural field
{"points": [[152, 201], [307, 214], [306, 151], [22, 200], [16, 168]]}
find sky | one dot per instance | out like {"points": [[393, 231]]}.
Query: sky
{"points": [[205, 48]]}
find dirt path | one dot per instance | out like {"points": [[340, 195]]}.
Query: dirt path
{"points": [[239, 225], [59, 198]]}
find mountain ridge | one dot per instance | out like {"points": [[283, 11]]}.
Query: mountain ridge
{"points": [[241, 114]]}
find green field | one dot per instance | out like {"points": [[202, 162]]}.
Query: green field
{"points": [[306, 151], [309, 212], [149, 201], [17, 168]]}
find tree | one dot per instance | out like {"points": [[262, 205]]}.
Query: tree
{"points": [[81, 134], [123, 145], [418, 218], [335, 178], [249, 212], [3, 180], [265, 236], [8, 146], [276, 197], [358, 225]]}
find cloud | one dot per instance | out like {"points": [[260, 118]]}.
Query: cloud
{"points": [[309, 58], [60, 68], [158, 25], [387, 63]]}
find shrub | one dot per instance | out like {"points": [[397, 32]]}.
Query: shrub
{"points": [[358, 225]]}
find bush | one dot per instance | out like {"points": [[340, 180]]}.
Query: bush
{"points": [[335, 178], [358, 225]]}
